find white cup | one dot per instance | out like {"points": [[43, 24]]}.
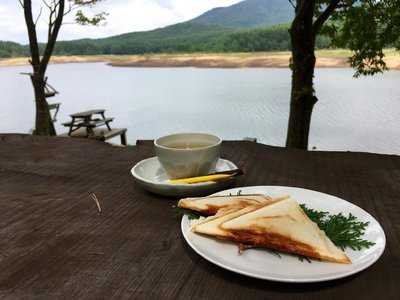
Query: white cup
{"points": [[185, 155]]}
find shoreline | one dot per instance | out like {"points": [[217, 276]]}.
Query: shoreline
{"points": [[325, 59]]}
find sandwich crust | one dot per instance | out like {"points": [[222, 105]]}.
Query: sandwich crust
{"points": [[210, 206]]}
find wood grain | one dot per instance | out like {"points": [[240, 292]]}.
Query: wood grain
{"points": [[55, 244]]}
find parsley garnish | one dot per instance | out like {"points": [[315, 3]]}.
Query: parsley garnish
{"points": [[344, 232], [192, 215]]}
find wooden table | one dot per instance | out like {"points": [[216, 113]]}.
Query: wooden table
{"points": [[85, 120], [83, 125], [55, 244]]}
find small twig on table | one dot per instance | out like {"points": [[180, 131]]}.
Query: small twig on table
{"points": [[94, 197]]}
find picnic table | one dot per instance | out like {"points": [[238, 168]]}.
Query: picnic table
{"points": [[84, 124], [55, 244]]}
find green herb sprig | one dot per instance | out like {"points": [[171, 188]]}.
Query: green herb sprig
{"points": [[344, 232], [192, 215]]}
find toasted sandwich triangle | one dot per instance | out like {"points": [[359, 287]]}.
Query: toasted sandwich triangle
{"points": [[282, 226]]}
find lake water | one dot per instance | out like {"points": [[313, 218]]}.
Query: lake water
{"points": [[352, 114]]}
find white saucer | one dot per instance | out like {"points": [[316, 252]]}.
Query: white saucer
{"points": [[151, 176]]}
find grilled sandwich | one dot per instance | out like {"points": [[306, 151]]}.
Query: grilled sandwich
{"points": [[284, 226], [281, 225]]}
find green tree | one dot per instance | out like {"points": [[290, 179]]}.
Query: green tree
{"points": [[39, 60], [366, 31], [365, 26]]}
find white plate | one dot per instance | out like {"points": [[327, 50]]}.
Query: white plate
{"points": [[151, 176], [262, 264]]}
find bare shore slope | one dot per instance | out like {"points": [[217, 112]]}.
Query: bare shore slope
{"points": [[325, 59]]}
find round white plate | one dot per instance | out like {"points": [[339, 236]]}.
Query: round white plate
{"points": [[262, 264], [151, 176]]}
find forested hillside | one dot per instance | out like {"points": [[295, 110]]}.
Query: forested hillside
{"points": [[11, 49], [184, 37]]}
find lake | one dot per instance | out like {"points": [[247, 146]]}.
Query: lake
{"points": [[351, 115]]}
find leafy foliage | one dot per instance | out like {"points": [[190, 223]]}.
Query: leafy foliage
{"points": [[343, 231], [365, 27], [81, 17]]}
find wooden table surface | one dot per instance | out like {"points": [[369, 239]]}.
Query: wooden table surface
{"points": [[54, 244]]}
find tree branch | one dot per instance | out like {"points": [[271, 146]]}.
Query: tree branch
{"points": [[33, 42], [70, 9], [51, 23], [47, 4], [329, 10], [53, 34], [38, 17]]}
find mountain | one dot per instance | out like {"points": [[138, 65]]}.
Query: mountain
{"points": [[211, 31], [249, 14], [182, 31], [242, 27], [245, 26]]}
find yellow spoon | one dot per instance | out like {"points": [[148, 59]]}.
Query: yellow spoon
{"points": [[211, 177]]}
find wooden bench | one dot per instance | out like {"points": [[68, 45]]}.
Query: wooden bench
{"points": [[56, 107], [99, 122], [100, 134]]}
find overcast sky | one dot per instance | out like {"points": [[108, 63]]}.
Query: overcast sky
{"points": [[124, 16]]}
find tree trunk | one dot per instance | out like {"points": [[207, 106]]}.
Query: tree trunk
{"points": [[43, 124], [303, 63]]}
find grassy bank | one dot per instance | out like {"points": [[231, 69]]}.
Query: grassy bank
{"points": [[325, 59]]}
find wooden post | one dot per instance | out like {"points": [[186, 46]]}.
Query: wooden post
{"points": [[123, 138]]}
